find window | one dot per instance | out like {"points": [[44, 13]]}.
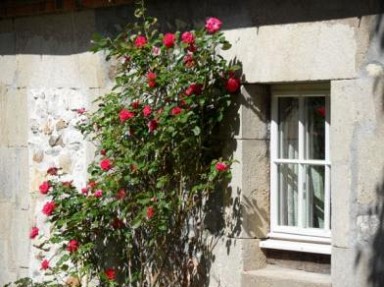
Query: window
{"points": [[300, 170]]}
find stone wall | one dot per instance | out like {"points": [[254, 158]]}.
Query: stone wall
{"points": [[48, 73]]}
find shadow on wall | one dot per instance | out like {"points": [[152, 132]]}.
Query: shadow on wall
{"points": [[70, 33], [238, 213], [376, 262], [373, 221]]}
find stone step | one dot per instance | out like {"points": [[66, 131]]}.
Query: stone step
{"points": [[275, 276]]}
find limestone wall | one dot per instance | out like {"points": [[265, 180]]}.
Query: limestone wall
{"points": [[47, 73]]}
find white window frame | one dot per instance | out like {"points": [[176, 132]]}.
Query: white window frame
{"points": [[298, 238]]}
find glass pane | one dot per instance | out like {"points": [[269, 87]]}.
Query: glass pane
{"points": [[314, 179], [315, 111], [288, 128], [288, 194]]}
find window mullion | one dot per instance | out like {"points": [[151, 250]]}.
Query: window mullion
{"points": [[275, 137], [301, 167], [327, 184]]}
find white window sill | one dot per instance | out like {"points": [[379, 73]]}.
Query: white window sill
{"points": [[298, 243]]}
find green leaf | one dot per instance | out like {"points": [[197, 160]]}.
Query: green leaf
{"points": [[226, 46], [196, 131]]}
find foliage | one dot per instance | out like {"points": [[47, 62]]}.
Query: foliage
{"points": [[139, 221]]}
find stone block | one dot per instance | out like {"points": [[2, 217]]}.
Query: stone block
{"points": [[53, 51], [247, 204], [57, 71], [19, 241], [14, 176], [273, 276], [57, 34], [13, 117], [5, 224], [7, 54], [253, 257], [7, 76], [296, 52], [90, 70], [85, 26], [7, 272], [255, 188], [342, 204], [351, 267], [254, 112], [227, 262]]}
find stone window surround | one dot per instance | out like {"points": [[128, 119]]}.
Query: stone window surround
{"points": [[287, 239]]}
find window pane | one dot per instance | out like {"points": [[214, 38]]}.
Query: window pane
{"points": [[314, 179], [288, 194], [314, 109], [288, 127]]}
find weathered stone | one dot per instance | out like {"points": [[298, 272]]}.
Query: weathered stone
{"points": [[53, 151], [254, 112], [38, 156], [14, 175], [349, 266], [55, 140], [301, 51], [48, 128], [65, 162], [13, 132], [61, 124], [227, 267], [273, 276]]}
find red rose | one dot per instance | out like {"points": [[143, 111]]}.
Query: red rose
{"points": [[84, 190], [140, 41], [221, 166], [81, 111], [121, 194], [321, 111], [188, 61], [92, 184], [150, 212], [147, 111], [183, 103], [103, 152], [52, 171], [98, 193], [105, 164], [44, 187], [48, 208], [110, 273], [212, 25], [125, 60], [152, 125], [125, 115], [135, 105], [72, 246], [188, 38], [34, 232], [169, 40], [44, 264], [192, 48], [232, 85], [194, 89], [151, 79], [117, 223], [175, 111]]}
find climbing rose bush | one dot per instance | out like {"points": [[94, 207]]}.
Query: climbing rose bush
{"points": [[139, 221]]}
